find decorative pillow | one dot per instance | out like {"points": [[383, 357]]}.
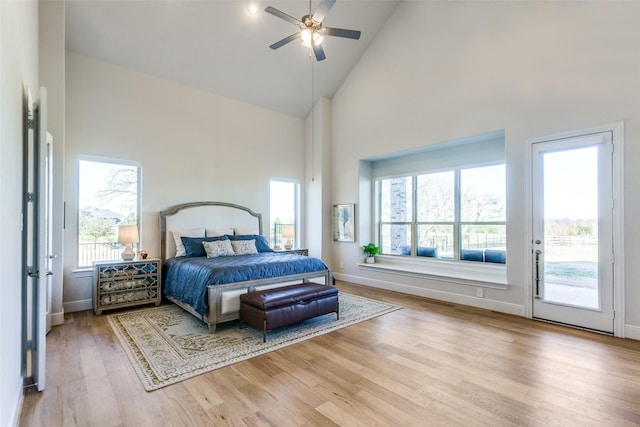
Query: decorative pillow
{"points": [[244, 247], [428, 251], [262, 245], [218, 248], [215, 232], [177, 236], [193, 245], [243, 231]]}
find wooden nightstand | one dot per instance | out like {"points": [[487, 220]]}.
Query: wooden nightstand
{"points": [[120, 284], [304, 252]]}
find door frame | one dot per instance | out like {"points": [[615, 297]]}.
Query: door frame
{"points": [[617, 138]]}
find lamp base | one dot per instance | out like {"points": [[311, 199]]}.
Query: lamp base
{"points": [[128, 254]]}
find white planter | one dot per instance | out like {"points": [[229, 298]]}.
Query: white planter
{"points": [[370, 260]]}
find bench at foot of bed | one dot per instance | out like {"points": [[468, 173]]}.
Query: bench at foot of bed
{"points": [[274, 308]]}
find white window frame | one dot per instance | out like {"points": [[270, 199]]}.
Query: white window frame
{"points": [[296, 202], [466, 152], [107, 160], [457, 222]]}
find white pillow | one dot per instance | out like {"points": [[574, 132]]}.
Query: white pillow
{"points": [[215, 232], [243, 231], [177, 236], [244, 247], [218, 248]]}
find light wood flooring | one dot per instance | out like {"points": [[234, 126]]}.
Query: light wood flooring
{"points": [[429, 364]]}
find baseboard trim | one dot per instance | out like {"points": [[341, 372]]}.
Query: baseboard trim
{"points": [[80, 305], [488, 304], [57, 319], [632, 332]]}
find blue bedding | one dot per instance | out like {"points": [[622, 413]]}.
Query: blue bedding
{"points": [[186, 279]]}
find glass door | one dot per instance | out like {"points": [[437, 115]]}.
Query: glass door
{"points": [[572, 231]]}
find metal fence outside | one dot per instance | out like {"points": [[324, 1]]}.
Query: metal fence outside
{"points": [[90, 252]]}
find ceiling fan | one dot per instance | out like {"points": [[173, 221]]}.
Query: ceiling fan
{"points": [[311, 30]]}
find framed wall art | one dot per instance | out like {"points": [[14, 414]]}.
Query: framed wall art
{"points": [[344, 223]]}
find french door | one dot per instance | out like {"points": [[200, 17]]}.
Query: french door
{"points": [[572, 230]]}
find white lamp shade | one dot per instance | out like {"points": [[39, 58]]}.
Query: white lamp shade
{"points": [[288, 231], [128, 234]]}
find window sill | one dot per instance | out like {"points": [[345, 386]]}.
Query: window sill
{"points": [[83, 272], [462, 273]]}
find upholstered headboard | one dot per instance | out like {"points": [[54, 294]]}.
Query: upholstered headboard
{"points": [[219, 216]]}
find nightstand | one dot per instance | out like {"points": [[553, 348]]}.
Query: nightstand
{"points": [[120, 284], [304, 252]]}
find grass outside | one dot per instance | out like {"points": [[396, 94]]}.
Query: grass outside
{"points": [[572, 266]]}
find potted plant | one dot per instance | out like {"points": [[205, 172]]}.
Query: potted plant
{"points": [[370, 251]]}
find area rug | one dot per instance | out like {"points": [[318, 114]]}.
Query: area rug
{"points": [[167, 345]]}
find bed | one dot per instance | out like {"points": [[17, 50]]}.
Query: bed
{"points": [[210, 287]]}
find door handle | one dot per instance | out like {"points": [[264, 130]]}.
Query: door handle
{"points": [[537, 252], [49, 273]]}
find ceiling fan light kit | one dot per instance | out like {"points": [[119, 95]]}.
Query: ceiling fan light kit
{"points": [[312, 32]]}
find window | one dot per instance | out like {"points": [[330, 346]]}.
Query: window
{"points": [[108, 197], [456, 214], [284, 214]]}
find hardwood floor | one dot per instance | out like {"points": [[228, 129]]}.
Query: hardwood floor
{"points": [[429, 364]]}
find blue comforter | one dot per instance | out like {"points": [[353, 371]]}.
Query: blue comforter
{"points": [[186, 279]]}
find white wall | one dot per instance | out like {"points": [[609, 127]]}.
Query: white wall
{"points": [[18, 67], [192, 145], [317, 191], [444, 70]]}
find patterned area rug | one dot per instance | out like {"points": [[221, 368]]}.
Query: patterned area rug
{"points": [[167, 345]]}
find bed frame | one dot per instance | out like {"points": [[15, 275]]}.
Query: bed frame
{"points": [[223, 300]]}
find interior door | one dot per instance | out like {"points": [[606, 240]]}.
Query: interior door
{"points": [[573, 231], [46, 200], [36, 218]]}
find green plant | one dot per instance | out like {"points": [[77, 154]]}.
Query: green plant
{"points": [[370, 250]]}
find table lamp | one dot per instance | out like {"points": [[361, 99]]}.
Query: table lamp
{"points": [[288, 232], [128, 234]]}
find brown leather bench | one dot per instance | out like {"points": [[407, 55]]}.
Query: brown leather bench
{"points": [[277, 307]]}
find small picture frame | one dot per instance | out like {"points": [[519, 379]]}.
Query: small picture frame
{"points": [[344, 223]]}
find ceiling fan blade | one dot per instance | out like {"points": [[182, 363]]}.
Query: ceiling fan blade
{"points": [[318, 51], [341, 32], [285, 40], [282, 15], [323, 9]]}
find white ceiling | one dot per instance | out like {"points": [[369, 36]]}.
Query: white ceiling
{"points": [[217, 46]]}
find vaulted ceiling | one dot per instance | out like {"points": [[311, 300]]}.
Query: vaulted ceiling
{"points": [[217, 46]]}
